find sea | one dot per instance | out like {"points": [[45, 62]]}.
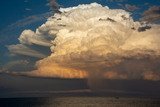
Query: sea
{"points": [[80, 101]]}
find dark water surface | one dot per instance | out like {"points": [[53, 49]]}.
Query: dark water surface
{"points": [[80, 102]]}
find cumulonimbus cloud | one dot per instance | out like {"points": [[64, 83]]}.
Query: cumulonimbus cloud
{"points": [[92, 41]]}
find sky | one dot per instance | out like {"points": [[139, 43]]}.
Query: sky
{"points": [[23, 53], [19, 15]]}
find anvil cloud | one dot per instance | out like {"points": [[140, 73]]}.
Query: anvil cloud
{"points": [[92, 41]]}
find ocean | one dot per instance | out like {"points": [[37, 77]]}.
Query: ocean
{"points": [[81, 101]]}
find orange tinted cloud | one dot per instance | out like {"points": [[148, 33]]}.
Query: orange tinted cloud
{"points": [[92, 41]]}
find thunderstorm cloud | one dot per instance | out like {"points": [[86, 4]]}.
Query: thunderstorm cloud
{"points": [[92, 41]]}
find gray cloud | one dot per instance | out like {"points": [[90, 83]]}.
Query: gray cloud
{"points": [[131, 7], [17, 65], [25, 50], [54, 5], [26, 1], [30, 19], [152, 15], [116, 0], [28, 9]]}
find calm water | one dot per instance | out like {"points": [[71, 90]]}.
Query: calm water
{"points": [[80, 102]]}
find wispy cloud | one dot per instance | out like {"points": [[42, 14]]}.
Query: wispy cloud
{"points": [[25, 50], [28, 9], [16, 65], [54, 5], [131, 7], [116, 0], [152, 15], [6, 35]]}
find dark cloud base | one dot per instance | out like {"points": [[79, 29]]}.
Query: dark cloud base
{"points": [[28, 86]]}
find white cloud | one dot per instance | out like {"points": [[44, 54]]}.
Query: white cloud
{"points": [[29, 37], [92, 41]]}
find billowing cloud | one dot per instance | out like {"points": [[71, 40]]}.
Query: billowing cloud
{"points": [[28, 37], [94, 42], [152, 15]]}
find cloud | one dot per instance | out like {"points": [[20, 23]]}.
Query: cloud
{"points": [[116, 0], [128, 7], [26, 1], [30, 19], [29, 37], [131, 7], [54, 5], [32, 45], [28, 9], [16, 65], [21, 49], [11, 31], [152, 15], [94, 42]]}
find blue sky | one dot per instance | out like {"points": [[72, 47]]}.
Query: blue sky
{"points": [[14, 10]]}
